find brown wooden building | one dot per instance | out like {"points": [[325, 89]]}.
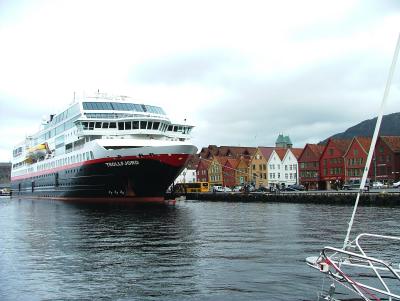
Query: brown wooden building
{"points": [[309, 159]]}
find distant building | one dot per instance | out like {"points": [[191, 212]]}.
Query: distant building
{"points": [[202, 170], [309, 166], [332, 168], [188, 175], [242, 172], [283, 142], [228, 172], [356, 157], [258, 166], [5, 174], [386, 167]]}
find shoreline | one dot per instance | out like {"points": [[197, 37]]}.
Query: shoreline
{"points": [[332, 198]]}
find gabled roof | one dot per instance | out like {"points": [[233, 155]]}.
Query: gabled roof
{"points": [[315, 149], [281, 152], [393, 142], [225, 150], [221, 159], [365, 143], [245, 160], [203, 163], [266, 151], [193, 162], [232, 162], [341, 144], [296, 152]]}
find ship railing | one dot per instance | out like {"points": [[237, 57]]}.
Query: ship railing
{"points": [[363, 274]]}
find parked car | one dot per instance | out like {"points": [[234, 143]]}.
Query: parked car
{"points": [[378, 185], [237, 188], [396, 184], [295, 187], [355, 184], [218, 189], [262, 189], [221, 189]]}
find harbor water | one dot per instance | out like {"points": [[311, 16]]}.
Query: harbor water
{"points": [[51, 250]]}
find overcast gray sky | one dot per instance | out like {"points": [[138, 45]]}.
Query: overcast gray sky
{"points": [[240, 71]]}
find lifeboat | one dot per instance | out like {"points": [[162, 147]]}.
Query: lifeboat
{"points": [[36, 152]]}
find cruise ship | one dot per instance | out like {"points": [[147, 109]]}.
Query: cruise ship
{"points": [[102, 148]]}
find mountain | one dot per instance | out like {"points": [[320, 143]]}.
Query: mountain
{"points": [[390, 127]]}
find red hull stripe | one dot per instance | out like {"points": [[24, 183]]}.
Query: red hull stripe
{"points": [[176, 160]]}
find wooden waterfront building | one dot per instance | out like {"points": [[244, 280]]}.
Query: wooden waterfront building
{"points": [[386, 167], [332, 168], [356, 157], [202, 170], [309, 159], [258, 166], [229, 172], [215, 171], [242, 172]]}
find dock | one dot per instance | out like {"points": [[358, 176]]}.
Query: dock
{"points": [[380, 198]]}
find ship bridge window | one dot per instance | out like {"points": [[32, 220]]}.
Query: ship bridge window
{"points": [[135, 125], [85, 125], [114, 106], [156, 125], [113, 125], [128, 125], [149, 125], [105, 125], [120, 126], [170, 128], [143, 124], [175, 128], [98, 125], [91, 125]]}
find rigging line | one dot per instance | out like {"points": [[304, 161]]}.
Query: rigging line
{"points": [[374, 138]]}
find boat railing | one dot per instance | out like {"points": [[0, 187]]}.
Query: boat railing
{"points": [[333, 262]]}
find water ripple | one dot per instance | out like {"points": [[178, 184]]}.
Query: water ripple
{"points": [[194, 251]]}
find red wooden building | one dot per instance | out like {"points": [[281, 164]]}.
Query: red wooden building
{"points": [[228, 172], [386, 167], [356, 157], [202, 170], [308, 160], [332, 168]]}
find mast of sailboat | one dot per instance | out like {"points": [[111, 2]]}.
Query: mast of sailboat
{"points": [[374, 138]]}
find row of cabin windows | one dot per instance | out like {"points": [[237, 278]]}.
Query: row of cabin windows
{"points": [[135, 125], [66, 161]]}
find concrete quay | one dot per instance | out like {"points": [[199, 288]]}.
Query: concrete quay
{"points": [[373, 198]]}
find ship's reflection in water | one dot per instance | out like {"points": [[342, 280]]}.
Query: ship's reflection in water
{"points": [[194, 251]]}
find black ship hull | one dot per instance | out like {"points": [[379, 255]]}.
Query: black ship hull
{"points": [[121, 179]]}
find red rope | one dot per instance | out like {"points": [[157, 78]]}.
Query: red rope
{"points": [[349, 279]]}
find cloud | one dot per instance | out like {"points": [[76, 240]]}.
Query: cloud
{"points": [[241, 71], [180, 68]]}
